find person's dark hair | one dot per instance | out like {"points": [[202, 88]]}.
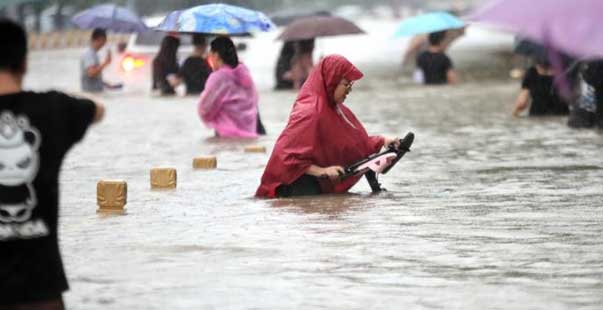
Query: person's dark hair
{"points": [[543, 61], [199, 40], [226, 49], [288, 49], [14, 47], [168, 52], [435, 38], [98, 33], [305, 46]]}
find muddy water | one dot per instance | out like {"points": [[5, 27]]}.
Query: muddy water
{"points": [[487, 212]]}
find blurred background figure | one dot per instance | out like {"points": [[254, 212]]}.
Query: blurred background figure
{"points": [[434, 67], [229, 102], [195, 70], [538, 91], [165, 66], [593, 76], [283, 66], [304, 32], [420, 43], [91, 67], [587, 112], [302, 63]]}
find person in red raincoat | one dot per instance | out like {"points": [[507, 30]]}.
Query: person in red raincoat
{"points": [[321, 137]]}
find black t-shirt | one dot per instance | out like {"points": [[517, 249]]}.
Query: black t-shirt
{"points": [[36, 131], [435, 67], [195, 72], [545, 99]]}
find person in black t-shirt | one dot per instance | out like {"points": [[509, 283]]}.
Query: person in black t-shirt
{"points": [[36, 131], [538, 86], [195, 70], [434, 65]]}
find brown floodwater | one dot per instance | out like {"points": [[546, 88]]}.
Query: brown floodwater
{"points": [[486, 212]]}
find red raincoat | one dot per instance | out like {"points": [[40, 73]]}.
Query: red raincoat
{"points": [[319, 132]]}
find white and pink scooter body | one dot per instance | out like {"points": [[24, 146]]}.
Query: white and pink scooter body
{"points": [[377, 164]]}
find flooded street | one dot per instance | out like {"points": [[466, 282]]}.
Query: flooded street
{"points": [[486, 212]]}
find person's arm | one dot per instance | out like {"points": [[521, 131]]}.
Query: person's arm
{"points": [[452, 77], [522, 102], [333, 172], [451, 36], [210, 101], [414, 47], [95, 70], [523, 99], [76, 114], [165, 78], [99, 113], [174, 80]]}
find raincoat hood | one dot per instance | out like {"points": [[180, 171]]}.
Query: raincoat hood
{"points": [[327, 75], [240, 75]]}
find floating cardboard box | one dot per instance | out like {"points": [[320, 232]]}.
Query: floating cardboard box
{"points": [[209, 162], [111, 196], [163, 178]]}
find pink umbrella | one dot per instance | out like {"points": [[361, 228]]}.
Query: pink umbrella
{"points": [[572, 26]]}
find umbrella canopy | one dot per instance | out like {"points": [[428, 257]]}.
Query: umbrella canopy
{"points": [[216, 19], [570, 26], [318, 26], [110, 17], [428, 23], [286, 17]]}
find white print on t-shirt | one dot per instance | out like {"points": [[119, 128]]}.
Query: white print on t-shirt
{"points": [[19, 164], [28, 230]]}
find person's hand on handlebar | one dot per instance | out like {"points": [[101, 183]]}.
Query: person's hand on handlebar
{"points": [[333, 173], [389, 140]]}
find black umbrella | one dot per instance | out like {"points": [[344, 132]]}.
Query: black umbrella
{"points": [[286, 17], [318, 26]]}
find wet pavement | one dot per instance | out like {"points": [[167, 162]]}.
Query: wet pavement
{"points": [[486, 212]]}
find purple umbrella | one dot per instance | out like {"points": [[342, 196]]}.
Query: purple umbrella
{"points": [[572, 26], [110, 17], [318, 26]]}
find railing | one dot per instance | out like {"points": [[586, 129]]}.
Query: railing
{"points": [[67, 39]]}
